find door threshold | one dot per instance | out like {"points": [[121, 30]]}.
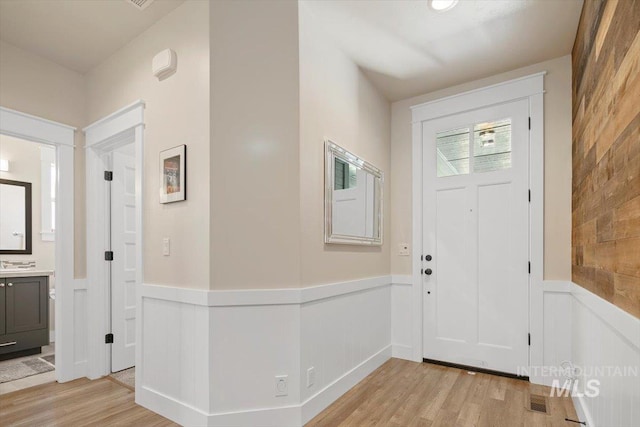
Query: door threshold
{"points": [[475, 369]]}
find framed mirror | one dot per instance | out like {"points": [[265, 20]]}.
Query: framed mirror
{"points": [[353, 198], [15, 217]]}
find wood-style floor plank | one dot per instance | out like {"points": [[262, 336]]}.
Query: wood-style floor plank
{"points": [[76, 403], [399, 393], [403, 393]]}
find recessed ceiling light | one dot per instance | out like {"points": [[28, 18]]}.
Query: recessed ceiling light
{"points": [[442, 5]]}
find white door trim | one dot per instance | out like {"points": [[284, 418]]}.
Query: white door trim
{"points": [[36, 129], [531, 88], [122, 127]]}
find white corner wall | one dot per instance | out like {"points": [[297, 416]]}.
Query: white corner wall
{"points": [[176, 112], [254, 159], [337, 102], [225, 349]]}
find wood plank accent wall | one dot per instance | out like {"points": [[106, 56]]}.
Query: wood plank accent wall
{"points": [[606, 152]]}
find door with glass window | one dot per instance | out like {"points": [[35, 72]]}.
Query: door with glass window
{"points": [[476, 238]]}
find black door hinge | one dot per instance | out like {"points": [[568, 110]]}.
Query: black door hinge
{"points": [[529, 196], [529, 338], [108, 339], [529, 267], [108, 255], [529, 123], [108, 175]]}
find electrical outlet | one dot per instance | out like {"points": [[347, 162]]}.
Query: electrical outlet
{"points": [[282, 385], [311, 376], [403, 249]]}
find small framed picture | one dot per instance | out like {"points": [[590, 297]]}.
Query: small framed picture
{"points": [[173, 174]]}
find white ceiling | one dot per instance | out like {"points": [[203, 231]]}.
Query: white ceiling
{"points": [[408, 49], [78, 34], [404, 47]]}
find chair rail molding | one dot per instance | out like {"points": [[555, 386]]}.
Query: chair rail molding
{"points": [[68, 337]]}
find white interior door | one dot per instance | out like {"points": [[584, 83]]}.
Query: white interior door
{"points": [[123, 266], [476, 231]]}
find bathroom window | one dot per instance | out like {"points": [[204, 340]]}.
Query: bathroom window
{"points": [[48, 192]]}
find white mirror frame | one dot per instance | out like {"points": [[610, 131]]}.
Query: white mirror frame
{"points": [[333, 151]]}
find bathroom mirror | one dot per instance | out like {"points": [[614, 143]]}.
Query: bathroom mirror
{"points": [[353, 198], [15, 217]]}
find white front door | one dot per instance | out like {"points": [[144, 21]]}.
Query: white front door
{"points": [[476, 232], [123, 266]]}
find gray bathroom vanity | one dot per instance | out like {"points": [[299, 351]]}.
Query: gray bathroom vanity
{"points": [[24, 313]]}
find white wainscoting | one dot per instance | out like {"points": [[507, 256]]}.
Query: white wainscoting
{"points": [[343, 338], [591, 333], [211, 357], [401, 317], [555, 319], [80, 341], [604, 336]]}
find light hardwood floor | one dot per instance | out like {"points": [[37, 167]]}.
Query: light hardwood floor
{"points": [[77, 403], [399, 393], [403, 393]]}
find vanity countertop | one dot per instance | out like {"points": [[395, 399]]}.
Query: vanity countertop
{"points": [[5, 274]]}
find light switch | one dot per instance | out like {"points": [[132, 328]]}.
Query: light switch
{"points": [[166, 246], [403, 249]]}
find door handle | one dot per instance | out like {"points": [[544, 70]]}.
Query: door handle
{"points": [[9, 284], [428, 272], [1, 285], [8, 344]]}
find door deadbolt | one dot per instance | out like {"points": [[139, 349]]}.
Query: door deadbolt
{"points": [[428, 257]]}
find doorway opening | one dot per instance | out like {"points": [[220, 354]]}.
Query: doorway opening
{"points": [[120, 227], [27, 263], [114, 150], [476, 235], [478, 212], [38, 170]]}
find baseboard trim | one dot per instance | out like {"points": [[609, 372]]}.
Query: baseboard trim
{"points": [[321, 400], [79, 370], [400, 351], [169, 407], [581, 411], [294, 415]]}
